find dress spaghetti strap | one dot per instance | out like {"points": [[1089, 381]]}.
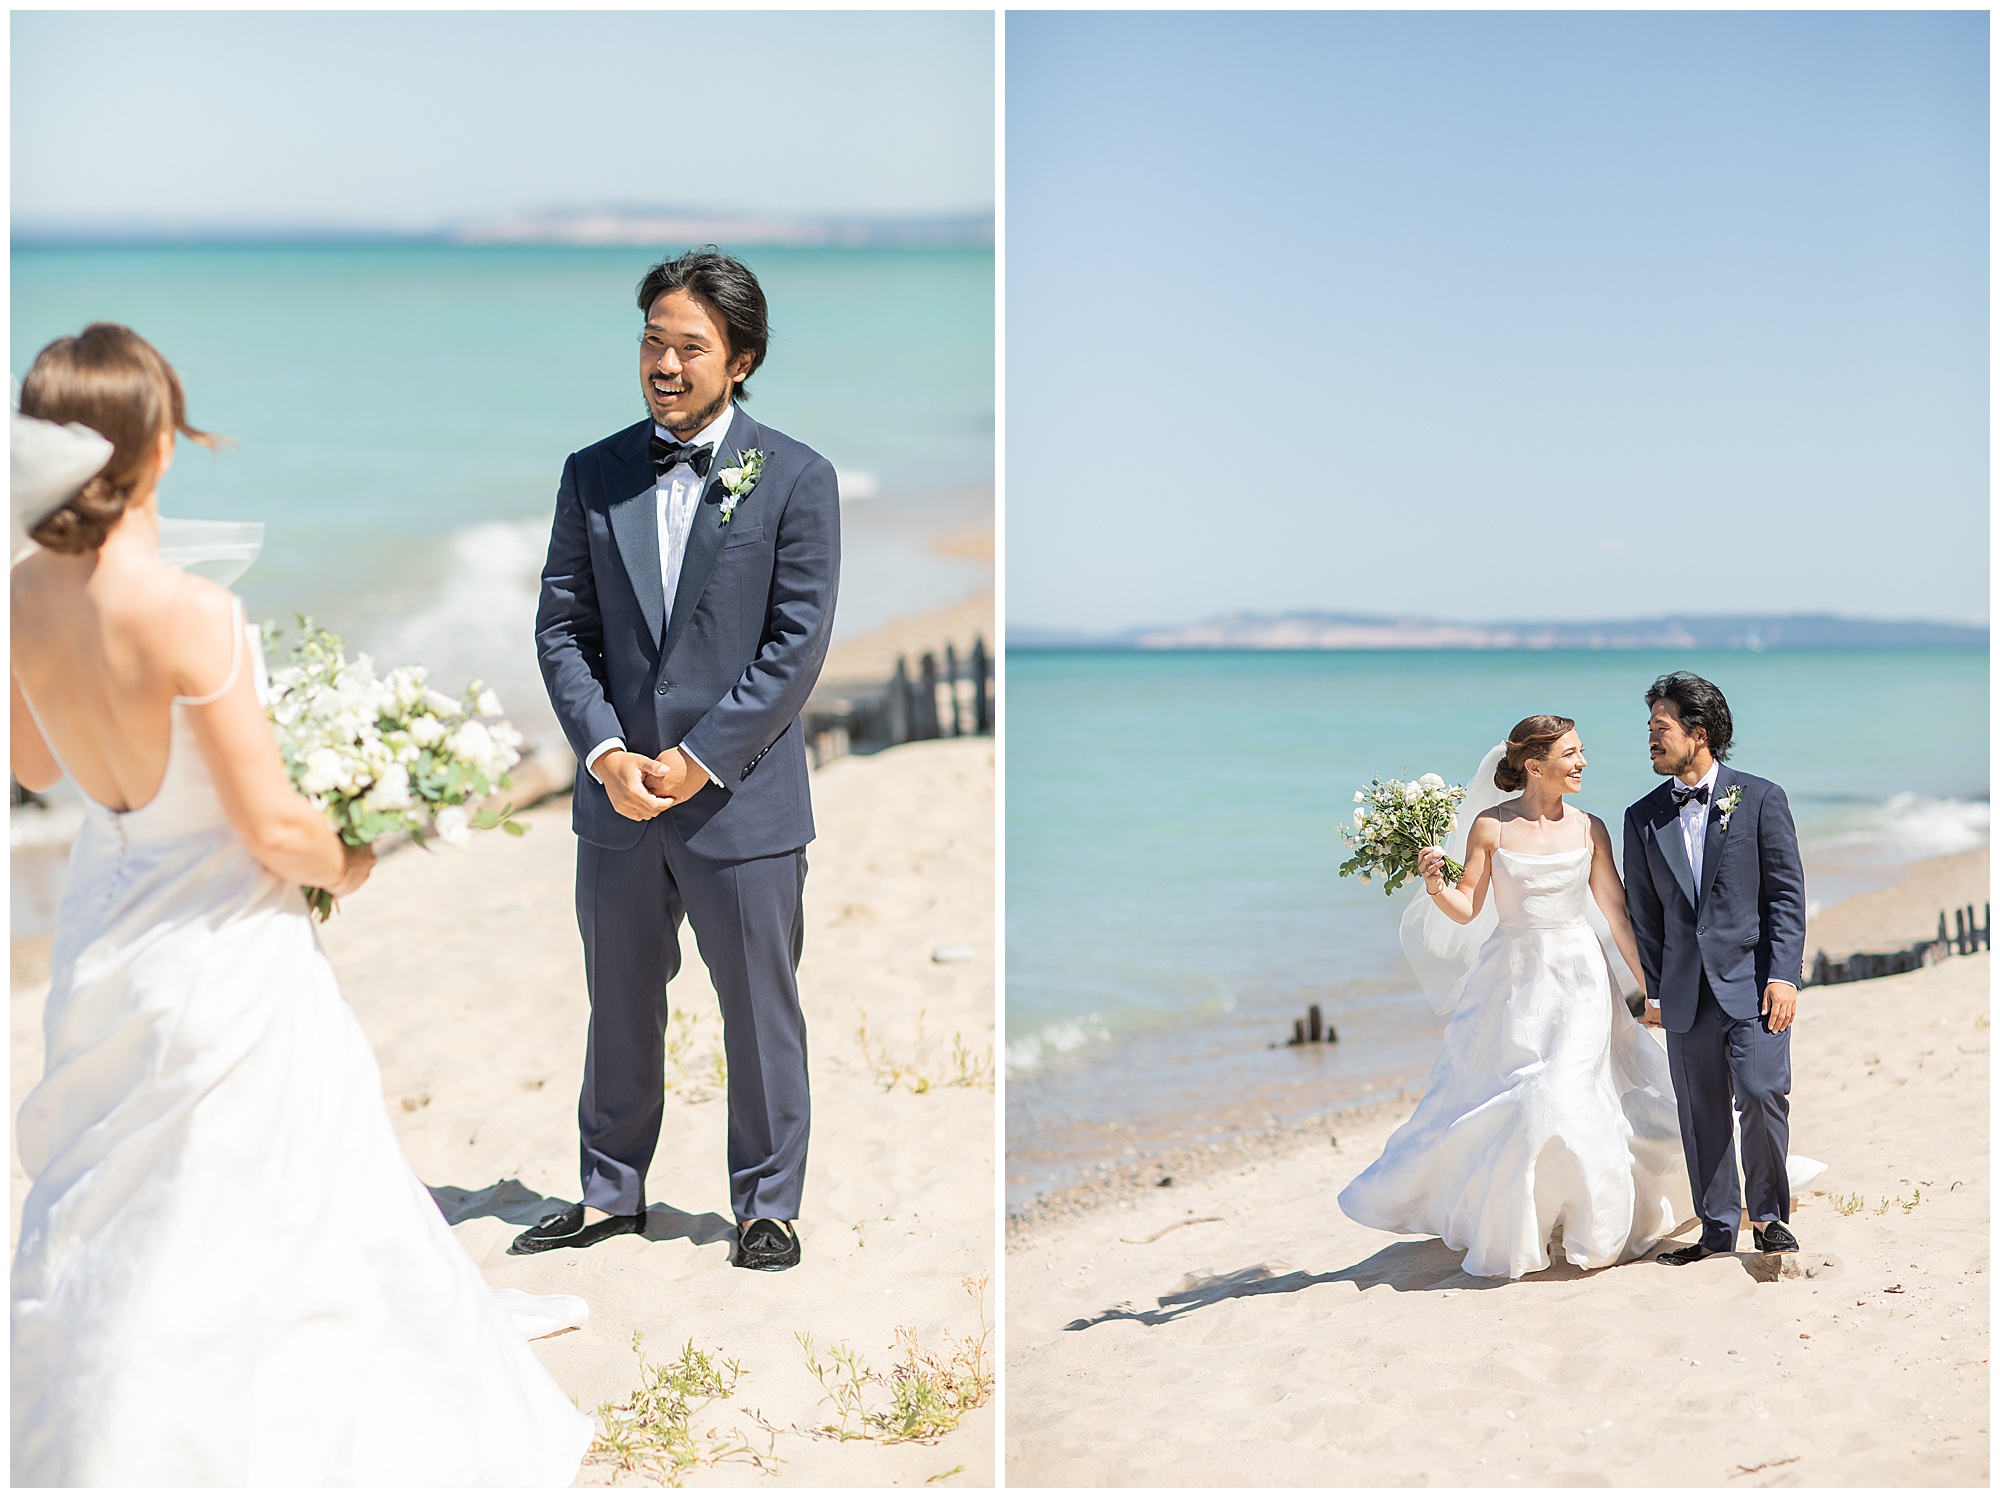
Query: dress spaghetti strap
{"points": [[235, 659]]}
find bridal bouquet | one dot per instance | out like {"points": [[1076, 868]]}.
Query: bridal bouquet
{"points": [[1394, 821], [387, 754]]}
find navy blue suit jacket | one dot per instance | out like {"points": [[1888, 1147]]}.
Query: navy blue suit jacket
{"points": [[727, 674], [1744, 927]]}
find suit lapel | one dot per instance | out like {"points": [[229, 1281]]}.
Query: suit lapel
{"points": [[1667, 833], [635, 522], [1711, 844], [705, 535]]}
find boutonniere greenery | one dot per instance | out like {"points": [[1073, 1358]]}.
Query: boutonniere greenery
{"points": [[1726, 804], [740, 478]]}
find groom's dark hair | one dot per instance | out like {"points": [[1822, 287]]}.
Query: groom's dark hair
{"points": [[1698, 704], [725, 284]]}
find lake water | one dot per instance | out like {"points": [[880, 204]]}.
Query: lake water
{"points": [[400, 416], [1173, 837]]}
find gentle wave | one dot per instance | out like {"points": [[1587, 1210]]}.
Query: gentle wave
{"points": [[1028, 1054], [1907, 827]]}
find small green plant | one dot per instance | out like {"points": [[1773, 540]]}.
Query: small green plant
{"points": [[841, 1375], [653, 1431], [929, 1391], [924, 1070], [1916, 1200], [1848, 1205], [697, 1078]]}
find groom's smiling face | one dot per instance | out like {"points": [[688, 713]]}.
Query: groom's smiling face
{"points": [[685, 367]]}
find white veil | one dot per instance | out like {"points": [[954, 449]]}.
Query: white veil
{"points": [[1442, 952], [221, 550]]}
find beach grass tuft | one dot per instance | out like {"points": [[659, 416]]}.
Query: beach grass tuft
{"points": [[929, 1390], [653, 1433], [924, 1069], [696, 1075]]}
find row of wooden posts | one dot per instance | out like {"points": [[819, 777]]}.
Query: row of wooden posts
{"points": [[943, 698], [1965, 934]]}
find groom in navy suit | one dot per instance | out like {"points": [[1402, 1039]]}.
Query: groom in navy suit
{"points": [[1717, 897], [685, 610]]}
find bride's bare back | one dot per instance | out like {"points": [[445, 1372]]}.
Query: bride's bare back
{"points": [[102, 645]]}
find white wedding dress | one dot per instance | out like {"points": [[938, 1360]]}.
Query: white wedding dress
{"points": [[1550, 1111], [228, 1274]]}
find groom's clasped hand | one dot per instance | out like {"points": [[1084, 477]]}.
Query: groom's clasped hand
{"points": [[641, 787]]}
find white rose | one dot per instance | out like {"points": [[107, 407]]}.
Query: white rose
{"points": [[1412, 794], [391, 791], [442, 705], [473, 743], [730, 477], [1359, 797], [427, 731], [322, 772], [453, 826], [488, 705], [1431, 782]]}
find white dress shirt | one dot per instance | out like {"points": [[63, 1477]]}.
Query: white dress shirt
{"points": [[677, 495], [1694, 822]]}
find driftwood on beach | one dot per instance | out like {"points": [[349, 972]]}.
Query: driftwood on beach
{"points": [[1967, 934], [936, 700]]}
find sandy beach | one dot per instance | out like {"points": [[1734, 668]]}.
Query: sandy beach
{"points": [[466, 971], [1212, 1318]]}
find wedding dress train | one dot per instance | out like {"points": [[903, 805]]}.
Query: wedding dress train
{"points": [[1550, 1111], [228, 1274]]}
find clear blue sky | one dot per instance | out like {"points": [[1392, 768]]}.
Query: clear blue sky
{"points": [[404, 119], [1493, 315]]}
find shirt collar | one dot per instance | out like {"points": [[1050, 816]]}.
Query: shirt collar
{"points": [[714, 432]]}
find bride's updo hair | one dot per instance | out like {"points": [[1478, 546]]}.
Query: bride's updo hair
{"points": [[1531, 738], [117, 384]]}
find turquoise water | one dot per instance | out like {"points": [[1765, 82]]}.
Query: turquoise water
{"points": [[401, 414], [1173, 836]]}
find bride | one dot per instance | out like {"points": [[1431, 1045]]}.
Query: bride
{"points": [[1549, 1113], [227, 1273]]}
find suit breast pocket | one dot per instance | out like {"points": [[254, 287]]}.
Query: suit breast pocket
{"points": [[748, 536]]}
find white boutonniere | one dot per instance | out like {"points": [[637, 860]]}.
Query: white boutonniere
{"points": [[740, 478], [1726, 804]]}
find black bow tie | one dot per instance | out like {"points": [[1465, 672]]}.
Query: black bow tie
{"points": [[1683, 794], [666, 454]]}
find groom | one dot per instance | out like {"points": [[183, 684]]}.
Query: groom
{"points": [[1717, 898], [685, 611]]}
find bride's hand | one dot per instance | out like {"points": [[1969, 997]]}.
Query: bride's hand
{"points": [[357, 865], [1430, 865]]}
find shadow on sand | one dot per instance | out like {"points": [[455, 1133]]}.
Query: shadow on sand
{"points": [[1425, 1265], [512, 1202]]}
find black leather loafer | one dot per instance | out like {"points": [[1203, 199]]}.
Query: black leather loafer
{"points": [[1775, 1239], [567, 1229], [1694, 1253], [766, 1244]]}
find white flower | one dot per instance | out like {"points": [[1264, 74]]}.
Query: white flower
{"points": [[1431, 782], [440, 704], [1412, 794], [1360, 817], [427, 731], [488, 705], [730, 477], [1360, 796], [454, 827], [323, 772], [391, 791]]}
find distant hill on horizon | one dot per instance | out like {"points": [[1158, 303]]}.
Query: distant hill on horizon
{"points": [[602, 225], [1332, 631]]}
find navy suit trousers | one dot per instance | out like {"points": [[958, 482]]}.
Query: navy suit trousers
{"points": [[1717, 1062], [748, 917]]}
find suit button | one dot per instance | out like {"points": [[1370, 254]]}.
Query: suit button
{"points": [[1701, 931], [661, 689]]}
